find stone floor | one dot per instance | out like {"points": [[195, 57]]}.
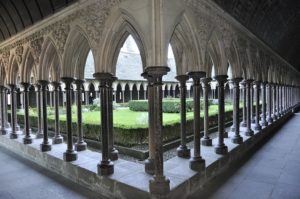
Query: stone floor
{"points": [[272, 172], [20, 178]]}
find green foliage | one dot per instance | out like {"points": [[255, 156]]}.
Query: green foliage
{"points": [[169, 105]]}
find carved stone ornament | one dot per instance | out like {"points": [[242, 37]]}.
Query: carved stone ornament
{"points": [[36, 46], [19, 54]]}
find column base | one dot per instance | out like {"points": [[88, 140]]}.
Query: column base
{"points": [[13, 135], [264, 123], [183, 152], [249, 133], [70, 155], [243, 124], [232, 129], [149, 166], [27, 140], [206, 142], [45, 147], [57, 140], [225, 135], [159, 186], [270, 120], [197, 164], [105, 168], [257, 127], [114, 154], [81, 146], [237, 139], [3, 132], [221, 150], [39, 135]]}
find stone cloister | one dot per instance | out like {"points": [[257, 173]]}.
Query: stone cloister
{"points": [[51, 55]]}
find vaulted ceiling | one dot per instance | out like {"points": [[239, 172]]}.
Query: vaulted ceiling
{"points": [[276, 22], [16, 15]]}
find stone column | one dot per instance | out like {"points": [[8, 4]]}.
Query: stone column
{"points": [[7, 124], [113, 152], [221, 148], [269, 96], [27, 139], [257, 88], [123, 96], [17, 92], [80, 144], [249, 131], [244, 122], [278, 100], [3, 118], [106, 166], [13, 134], [149, 163], [130, 95], [237, 139], [206, 140], [39, 133], [70, 154], [264, 112], [274, 102], [57, 139], [159, 185], [183, 151], [197, 163], [45, 146], [252, 108], [87, 97]]}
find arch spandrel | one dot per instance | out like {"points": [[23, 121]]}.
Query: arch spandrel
{"points": [[48, 54]]}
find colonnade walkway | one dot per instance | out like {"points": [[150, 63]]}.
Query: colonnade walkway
{"points": [[272, 172], [20, 178]]}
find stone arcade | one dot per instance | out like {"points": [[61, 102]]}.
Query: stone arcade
{"points": [[206, 42]]}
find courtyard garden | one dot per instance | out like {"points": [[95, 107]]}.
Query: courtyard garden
{"points": [[130, 120]]}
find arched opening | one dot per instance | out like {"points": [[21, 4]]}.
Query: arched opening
{"points": [[119, 94], [141, 92], [92, 93], [134, 92], [127, 93]]}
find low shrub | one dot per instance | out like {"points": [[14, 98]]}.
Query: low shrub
{"points": [[168, 105]]}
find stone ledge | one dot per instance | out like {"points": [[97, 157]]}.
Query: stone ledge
{"points": [[129, 179]]}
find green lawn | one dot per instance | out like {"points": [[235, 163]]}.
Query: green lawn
{"points": [[125, 118]]}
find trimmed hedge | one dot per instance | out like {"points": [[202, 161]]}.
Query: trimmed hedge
{"points": [[168, 105]]}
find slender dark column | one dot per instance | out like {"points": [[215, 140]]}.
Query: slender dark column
{"points": [[274, 102], [149, 163], [3, 122], [13, 134], [17, 94], [87, 97], [113, 152], [27, 139], [244, 122], [249, 131], [7, 124], [197, 162], [45, 146], [252, 108], [278, 100], [57, 139], [183, 151], [80, 144], [106, 166], [39, 133], [206, 140], [237, 139], [264, 113], [70, 154], [221, 148], [257, 88], [159, 185], [269, 96]]}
